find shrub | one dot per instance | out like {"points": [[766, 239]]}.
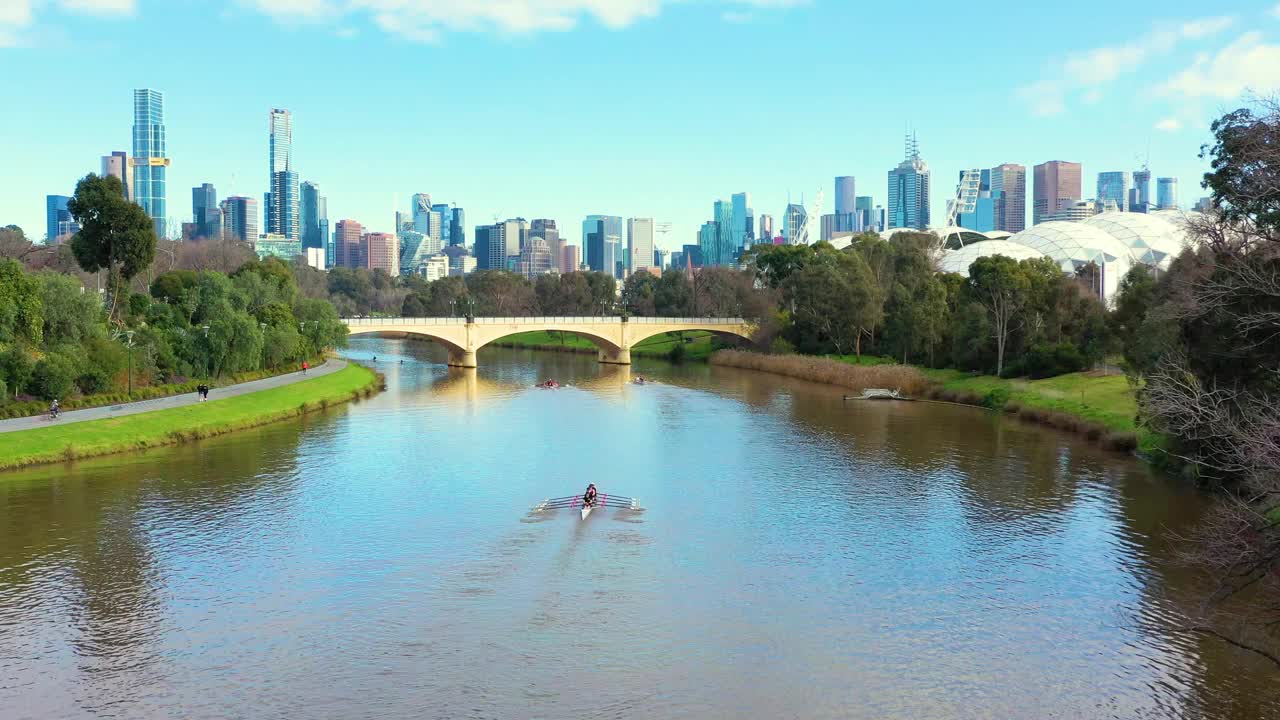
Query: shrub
{"points": [[53, 378], [781, 346], [92, 381], [1043, 361], [677, 353], [1013, 407], [996, 398]]}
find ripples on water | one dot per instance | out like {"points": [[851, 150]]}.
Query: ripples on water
{"points": [[796, 557]]}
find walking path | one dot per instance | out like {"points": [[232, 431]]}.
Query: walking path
{"points": [[172, 401]]}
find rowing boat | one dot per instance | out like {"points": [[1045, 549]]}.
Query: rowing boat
{"points": [[574, 502]]}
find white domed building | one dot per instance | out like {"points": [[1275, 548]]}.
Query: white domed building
{"points": [[958, 261], [1152, 239], [1073, 245], [1115, 241]]}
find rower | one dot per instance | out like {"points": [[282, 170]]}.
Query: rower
{"points": [[589, 497]]}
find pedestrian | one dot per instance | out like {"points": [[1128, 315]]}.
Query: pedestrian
{"points": [[305, 365]]}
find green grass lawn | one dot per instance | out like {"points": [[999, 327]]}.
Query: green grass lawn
{"points": [[164, 427], [700, 347], [1105, 399]]}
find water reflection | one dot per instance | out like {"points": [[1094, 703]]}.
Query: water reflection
{"points": [[798, 555]]}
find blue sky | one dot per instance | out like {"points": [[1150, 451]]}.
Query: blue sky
{"points": [[645, 108]]}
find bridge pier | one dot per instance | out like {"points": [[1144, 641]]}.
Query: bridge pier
{"points": [[621, 356], [462, 358]]}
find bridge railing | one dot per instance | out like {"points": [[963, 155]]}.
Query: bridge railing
{"points": [[543, 320]]}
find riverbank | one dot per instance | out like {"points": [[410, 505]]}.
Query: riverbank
{"points": [[1099, 407], [698, 345], [56, 443], [32, 408]]}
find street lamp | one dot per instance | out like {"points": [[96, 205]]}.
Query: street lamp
{"points": [[206, 351], [128, 343]]}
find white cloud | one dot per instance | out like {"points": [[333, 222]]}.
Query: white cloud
{"points": [[427, 20], [1169, 124], [1085, 72], [18, 16], [100, 7], [15, 15], [1246, 65]]}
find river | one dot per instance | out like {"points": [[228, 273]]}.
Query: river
{"points": [[796, 556]]}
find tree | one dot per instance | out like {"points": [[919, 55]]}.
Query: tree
{"points": [[1206, 352], [774, 264], [70, 314], [915, 318], [15, 370], [1000, 287], [1245, 161], [53, 377], [638, 294], [115, 234], [835, 304], [719, 291], [673, 294], [14, 243], [21, 305], [499, 293]]}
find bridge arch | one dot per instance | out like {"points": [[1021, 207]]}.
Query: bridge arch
{"points": [[448, 343], [614, 336]]}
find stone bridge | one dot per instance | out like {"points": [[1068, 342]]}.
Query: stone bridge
{"points": [[614, 336]]}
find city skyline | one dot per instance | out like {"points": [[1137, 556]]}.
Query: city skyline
{"points": [[481, 164]]}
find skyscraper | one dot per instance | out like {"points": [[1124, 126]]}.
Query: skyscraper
{"points": [[570, 259], [346, 242], [117, 165], [863, 205], [1055, 185], [420, 207], [1167, 193], [546, 229], [602, 236], [726, 244], [1009, 197], [535, 258], [457, 233], [441, 224], [282, 199], [794, 222], [205, 213], [240, 218], [312, 209], [149, 160], [497, 243], [742, 230], [380, 251], [708, 243], [909, 190], [1140, 194], [58, 222], [846, 204], [640, 243], [766, 229], [1114, 187], [827, 227]]}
